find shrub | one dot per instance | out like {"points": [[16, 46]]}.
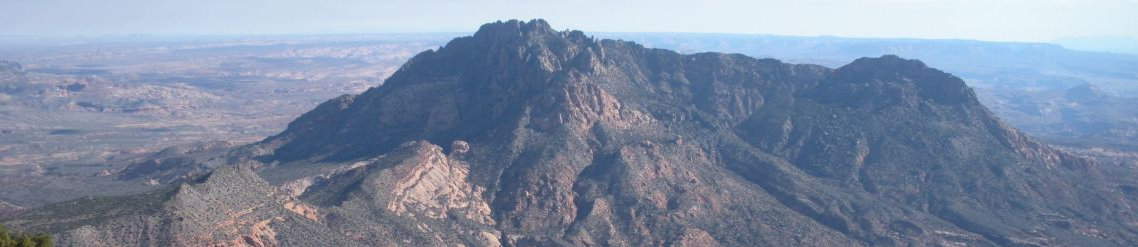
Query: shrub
{"points": [[10, 239]]}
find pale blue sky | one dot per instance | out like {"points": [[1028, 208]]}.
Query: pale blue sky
{"points": [[998, 20]]}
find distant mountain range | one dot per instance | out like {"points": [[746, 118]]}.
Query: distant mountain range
{"points": [[1115, 44], [520, 135]]}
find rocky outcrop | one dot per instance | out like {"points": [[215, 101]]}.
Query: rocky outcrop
{"points": [[426, 191], [695, 237], [582, 106], [429, 184], [459, 147]]}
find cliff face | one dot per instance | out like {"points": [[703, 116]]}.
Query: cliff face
{"points": [[560, 139]]}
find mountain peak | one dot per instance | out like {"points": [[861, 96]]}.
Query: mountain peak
{"points": [[888, 60], [515, 26], [892, 80], [525, 32], [512, 31]]}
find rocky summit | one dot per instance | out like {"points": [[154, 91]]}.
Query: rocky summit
{"points": [[520, 135]]}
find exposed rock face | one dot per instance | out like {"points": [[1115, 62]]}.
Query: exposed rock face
{"points": [[459, 147], [580, 107], [583, 142], [416, 185], [430, 184], [696, 237]]}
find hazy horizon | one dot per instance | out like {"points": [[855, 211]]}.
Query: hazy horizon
{"points": [[1120, 45], [1004, 20]]}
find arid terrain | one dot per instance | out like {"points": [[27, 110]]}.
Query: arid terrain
{"points": [[74, 112]]}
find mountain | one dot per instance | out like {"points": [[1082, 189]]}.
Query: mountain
{"points": [[520, 135], [1116, 44], [1023, 83], [983, 64]]}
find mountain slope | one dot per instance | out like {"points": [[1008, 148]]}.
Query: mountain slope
{"points": [[230, 206], [561, 139]]}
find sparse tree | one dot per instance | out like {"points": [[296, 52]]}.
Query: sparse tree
{"points": [[5, 239], [9, 239], [42, 240]]}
